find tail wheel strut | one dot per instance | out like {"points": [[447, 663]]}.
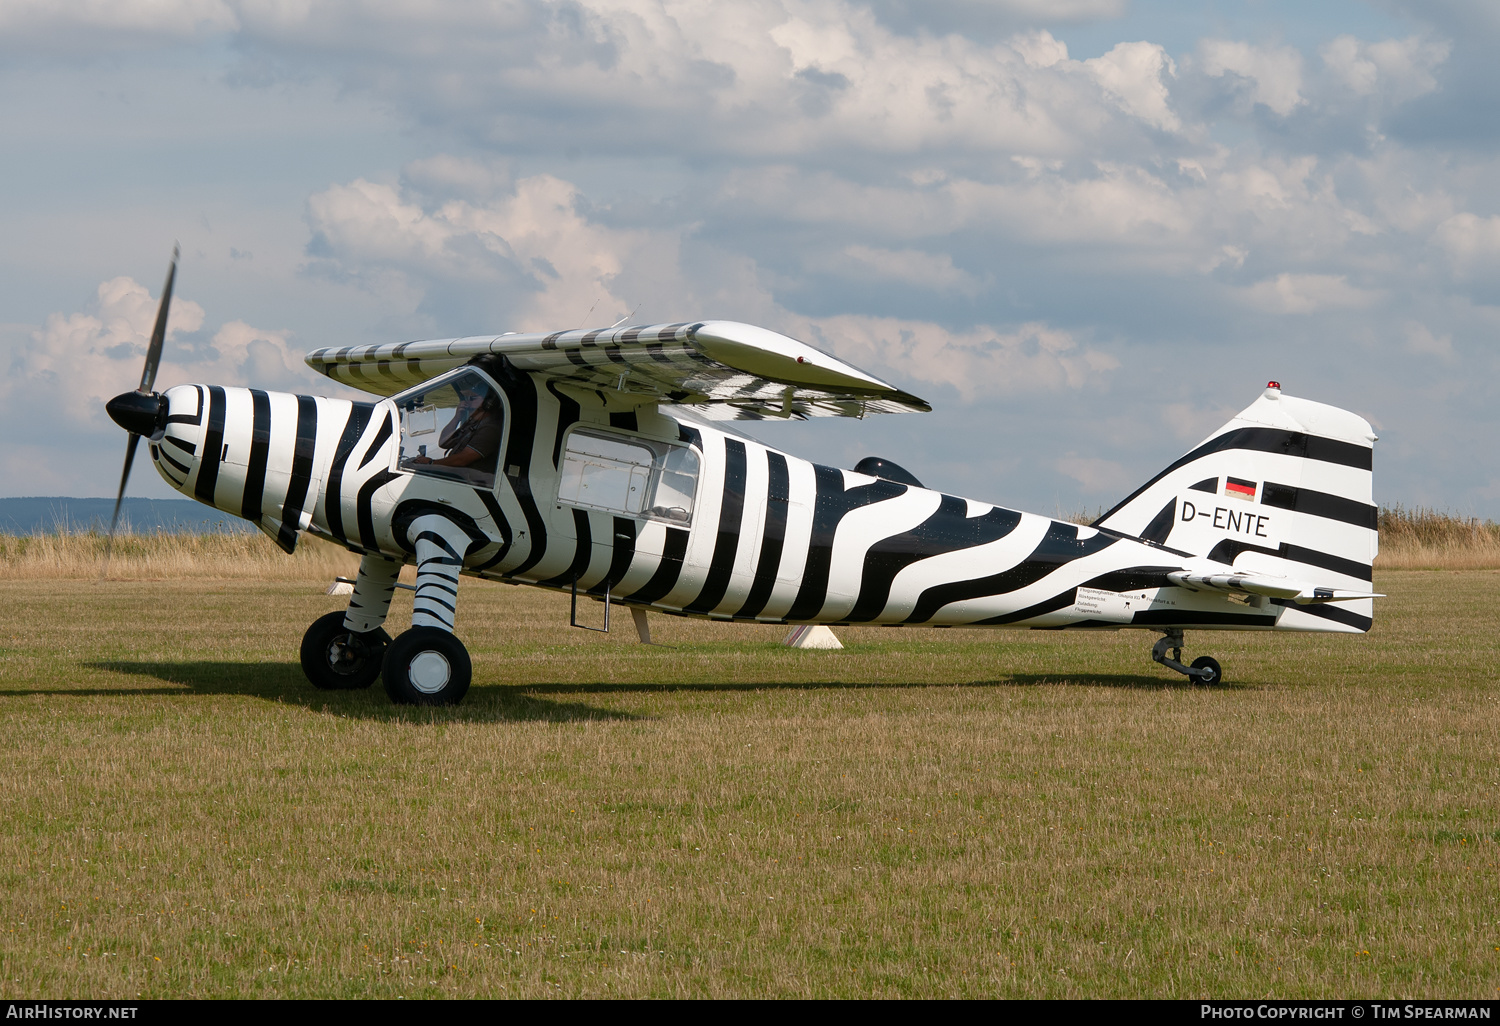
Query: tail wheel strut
{"points": [[1168, 652]]}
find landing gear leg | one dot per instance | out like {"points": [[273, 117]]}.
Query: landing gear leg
{"points": [[1205, 669], [344, 651], [427, 665], [373, 587]]}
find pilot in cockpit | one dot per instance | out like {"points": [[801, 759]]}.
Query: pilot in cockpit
{"points": [[473, 436]]}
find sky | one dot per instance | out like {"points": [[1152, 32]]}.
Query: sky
{"points": [[1086, 231]]}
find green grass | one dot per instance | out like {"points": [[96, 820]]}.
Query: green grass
{"points": [[927, 813]]}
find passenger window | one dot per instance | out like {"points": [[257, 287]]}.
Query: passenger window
{"points": [[453, 428], [676, 481], [629, 475], [606, 473]]}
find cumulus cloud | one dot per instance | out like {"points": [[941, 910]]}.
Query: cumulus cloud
{"points": [[1471, 243], [941, 192], [373, 220], [1131, 74], [1039, 49], [551, 264], [1402, 68], [1219, 212], [1421, 340], [250, 356], [984, 17], [1033, 199], [86, 26], [1272, 76], [575, 268], [1308, 293], [978, 363], [74, 362], [81, 359], [766, 77], [934, 271]]}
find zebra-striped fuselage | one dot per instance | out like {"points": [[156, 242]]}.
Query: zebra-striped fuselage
{"points": [[771, 538]]}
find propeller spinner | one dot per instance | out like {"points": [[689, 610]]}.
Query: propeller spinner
{"points": [[142, 412]]}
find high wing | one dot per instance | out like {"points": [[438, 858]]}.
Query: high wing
{"points": [[723, 369]]}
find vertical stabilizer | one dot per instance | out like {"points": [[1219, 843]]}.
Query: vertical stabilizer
{"points": [[1284, 488]]}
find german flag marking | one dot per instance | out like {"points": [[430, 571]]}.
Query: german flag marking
{"points": [[1234, 487]]}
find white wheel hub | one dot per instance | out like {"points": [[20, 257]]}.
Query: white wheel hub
{"points": [[429, 672]]}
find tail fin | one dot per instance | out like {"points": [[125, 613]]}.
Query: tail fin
{"points": [[1284, 488]]}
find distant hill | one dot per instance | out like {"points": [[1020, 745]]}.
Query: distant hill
{"points": [[52, 513]]}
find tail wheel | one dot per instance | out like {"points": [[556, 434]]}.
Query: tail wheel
{"points": [[1215, 675], [338, 659], [427, 666]]}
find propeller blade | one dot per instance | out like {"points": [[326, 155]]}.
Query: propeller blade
{"points": [[158, 335], [109, 542], [138, 412]]}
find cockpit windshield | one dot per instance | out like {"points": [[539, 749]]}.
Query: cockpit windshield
{"points": [[453, 427]]}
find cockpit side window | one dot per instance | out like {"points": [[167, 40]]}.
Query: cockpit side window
{"points": [[453, 428], [624, 474]]}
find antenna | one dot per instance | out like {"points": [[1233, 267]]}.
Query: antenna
{"points": [[586, 316], [622, 320]]}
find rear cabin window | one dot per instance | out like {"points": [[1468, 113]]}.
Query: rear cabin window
{"points": [[634, 476]]}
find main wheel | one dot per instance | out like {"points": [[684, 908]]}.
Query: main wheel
{"points": [[427, 666], [338, 659], [1215, 675]]}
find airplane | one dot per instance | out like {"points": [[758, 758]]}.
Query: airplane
{"points": [[603, 463]]}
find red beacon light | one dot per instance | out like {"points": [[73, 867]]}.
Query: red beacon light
{"points": [[1274, 384]]}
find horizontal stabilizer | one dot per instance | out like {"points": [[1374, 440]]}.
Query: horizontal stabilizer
{"points": [[726, 370], [1299, 592]]}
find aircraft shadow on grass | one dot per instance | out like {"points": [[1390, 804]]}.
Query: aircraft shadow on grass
{"points": [[1130, 681], [284, 682]]}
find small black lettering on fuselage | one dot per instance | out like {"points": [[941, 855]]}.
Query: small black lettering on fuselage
{"points": [[1231, 521]]}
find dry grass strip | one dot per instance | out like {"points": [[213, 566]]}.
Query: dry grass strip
{"points": [[1415, 539], [158, 556], [1425, 539]]}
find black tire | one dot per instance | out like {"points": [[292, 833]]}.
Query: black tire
{"points": [[427, 666], [1215, 675], [338, 659]]}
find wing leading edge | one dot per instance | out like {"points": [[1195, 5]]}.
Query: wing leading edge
{"points": [[723, 369]]}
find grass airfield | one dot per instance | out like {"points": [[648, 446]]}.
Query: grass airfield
{"points": [[928, 813]]}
